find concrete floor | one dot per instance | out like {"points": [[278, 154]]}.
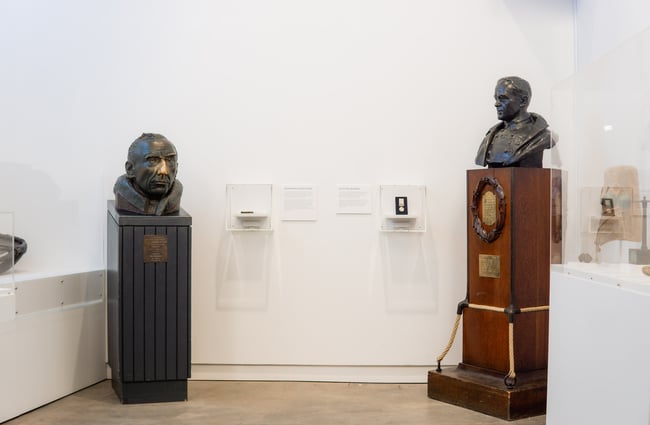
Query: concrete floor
{"points": [[265, 403]]}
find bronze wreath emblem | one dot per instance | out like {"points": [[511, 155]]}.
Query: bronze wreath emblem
{"points": [[477, 224]]}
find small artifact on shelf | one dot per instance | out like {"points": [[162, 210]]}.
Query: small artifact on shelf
{"points": [[8, 244], [621, 217], [520, 138], [149, 186], [585, 258], [646, 270]]}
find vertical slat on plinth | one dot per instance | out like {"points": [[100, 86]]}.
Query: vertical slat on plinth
{"points": [[161, 314], [183, 332], [127, 301], [138, 308], [149, 354], [113, 240], [171, 306]]}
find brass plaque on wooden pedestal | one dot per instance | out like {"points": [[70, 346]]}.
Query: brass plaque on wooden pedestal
{"points": [[489, 265], [155, 248], [489, 208]]}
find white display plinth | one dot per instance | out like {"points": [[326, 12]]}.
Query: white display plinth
{"points": [[599, 345]]}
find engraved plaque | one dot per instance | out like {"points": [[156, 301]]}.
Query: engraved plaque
{"points": [[489, 265], [489, 208], [155, 248]]}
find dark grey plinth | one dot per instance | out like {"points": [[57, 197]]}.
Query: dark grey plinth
{"points": [[149, 306]]}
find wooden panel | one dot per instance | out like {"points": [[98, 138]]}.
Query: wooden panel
{"points": [[524, 249], [531, 236], [531, 341], [486, 290], [485, 340]]}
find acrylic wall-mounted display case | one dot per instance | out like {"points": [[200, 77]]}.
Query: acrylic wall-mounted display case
{"points": [[249, 207], [402, 208]]}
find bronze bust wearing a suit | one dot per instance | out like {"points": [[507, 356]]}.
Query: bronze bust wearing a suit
{"points": [[520, 138]]}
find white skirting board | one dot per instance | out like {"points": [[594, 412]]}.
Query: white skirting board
{"points": [[50, 353], [320, 373]]}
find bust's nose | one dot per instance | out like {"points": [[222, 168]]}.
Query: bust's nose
{"points": [[163, 168]]}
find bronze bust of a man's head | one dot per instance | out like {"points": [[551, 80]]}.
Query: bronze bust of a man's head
{"points": [[149, 185], [512, 97], [520, 137]]}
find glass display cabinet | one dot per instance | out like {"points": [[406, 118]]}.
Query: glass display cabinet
{"points": [[600, 293]]}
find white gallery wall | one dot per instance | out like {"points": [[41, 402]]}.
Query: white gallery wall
{"points": [[316, 93], [603, 25]]}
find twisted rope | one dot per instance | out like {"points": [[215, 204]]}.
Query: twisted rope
{"points": [[451, 341], [511, 378], [531, 309], [486, 307]]}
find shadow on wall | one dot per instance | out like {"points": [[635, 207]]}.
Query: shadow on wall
{"points": [[409, 282], [244, 274], [539, 35]]}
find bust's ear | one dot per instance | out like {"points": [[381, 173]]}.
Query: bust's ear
{"points": [[524, 100], [128, 166]]}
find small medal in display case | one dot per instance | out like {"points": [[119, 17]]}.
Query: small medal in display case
{"points": [[401, 205]]}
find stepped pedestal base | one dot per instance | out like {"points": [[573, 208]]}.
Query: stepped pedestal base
{"points": [[485, 391]]}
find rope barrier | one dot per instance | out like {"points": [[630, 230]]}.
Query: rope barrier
{"points": [[531, 309], [511, 378], [486, 307]]}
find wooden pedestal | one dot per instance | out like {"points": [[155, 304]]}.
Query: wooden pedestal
{"points": [[149, 262], [484, 391], [509, 251]]}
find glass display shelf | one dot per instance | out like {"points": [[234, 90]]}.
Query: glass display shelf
{"points": [[402, 208], [249, 207]]}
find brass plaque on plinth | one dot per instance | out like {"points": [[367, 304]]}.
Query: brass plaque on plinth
{"points": [[155, 248], [489, 208], [489, 265]]}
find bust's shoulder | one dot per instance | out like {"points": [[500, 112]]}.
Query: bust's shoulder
{"points": [[496, 127], [538, 121], [122, 184]]}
